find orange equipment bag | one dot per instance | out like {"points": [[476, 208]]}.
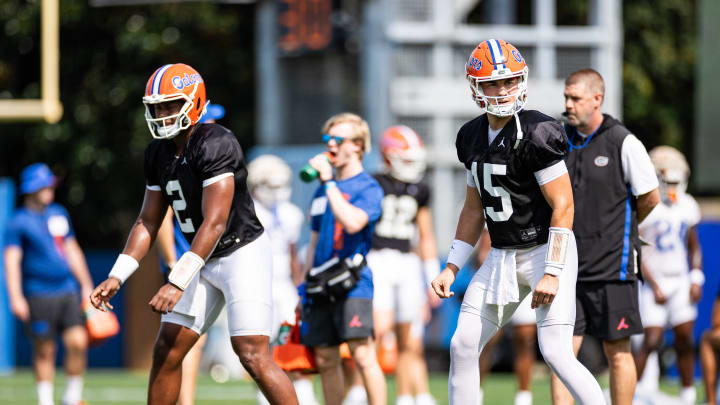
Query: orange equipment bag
{"points": [[290, 354], [100, 325]]}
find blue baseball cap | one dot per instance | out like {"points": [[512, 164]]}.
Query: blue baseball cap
{"points": [[214, 112], [36, 177]]}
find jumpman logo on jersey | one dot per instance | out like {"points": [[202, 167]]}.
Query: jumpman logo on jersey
{"points": [[622, 325], [355, 322]]}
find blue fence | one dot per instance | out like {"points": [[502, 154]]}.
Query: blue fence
{"points": [[7, 324]]}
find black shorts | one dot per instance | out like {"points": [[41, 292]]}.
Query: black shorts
{"points": [[53, 314], [331, 324], [607, 310]]}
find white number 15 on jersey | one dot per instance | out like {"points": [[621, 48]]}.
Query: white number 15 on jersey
{"points": [[489, 170]]}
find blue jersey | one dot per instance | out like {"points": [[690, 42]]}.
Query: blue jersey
{"points": [[181, 245], [42, 236], [364, 192]]}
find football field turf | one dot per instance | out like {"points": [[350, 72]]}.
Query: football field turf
{"points": [[106, 387]]}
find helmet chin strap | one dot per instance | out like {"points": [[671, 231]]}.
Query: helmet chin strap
{"points": [[519, 131]]}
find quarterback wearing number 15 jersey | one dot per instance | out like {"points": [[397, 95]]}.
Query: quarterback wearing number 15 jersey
{"points": [[212, 154], [504, 172]]}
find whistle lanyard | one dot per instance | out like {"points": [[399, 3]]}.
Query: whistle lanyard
{"points": [[571, 145]]}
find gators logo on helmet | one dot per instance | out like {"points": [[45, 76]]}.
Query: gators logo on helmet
{"points": [[169, 83]]}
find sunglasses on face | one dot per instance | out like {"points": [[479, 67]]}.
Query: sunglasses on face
{"points": [[327, 137]]}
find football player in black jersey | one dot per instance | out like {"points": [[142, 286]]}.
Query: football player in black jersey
{"points": [[517, 180], [199, 170]]}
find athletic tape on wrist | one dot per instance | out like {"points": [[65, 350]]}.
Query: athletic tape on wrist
{"points": [[697, 277], [557, 247], [431, 267], [185, 269], [460, 251], [123, 268]]}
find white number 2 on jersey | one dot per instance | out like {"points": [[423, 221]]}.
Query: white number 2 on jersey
{"points": [[179, 205], [490, 169]]}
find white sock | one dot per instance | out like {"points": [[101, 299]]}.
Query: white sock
{"points": [[471, 335], [523, 398], [45, 392], [405, 400], [73, 390], [305, 392], [688, 394], [425, 399], [557, 349], [481, 396], [651, 375], [356, 394]]}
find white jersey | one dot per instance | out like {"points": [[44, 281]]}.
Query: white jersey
{"points": [[283, 225], [666, 230]]}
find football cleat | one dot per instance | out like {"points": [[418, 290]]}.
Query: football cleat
{"points": [[403, 152], [672, 170], [492, 60], [169, 83]]}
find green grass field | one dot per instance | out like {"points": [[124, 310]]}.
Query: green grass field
{"points": [[106, 387]]}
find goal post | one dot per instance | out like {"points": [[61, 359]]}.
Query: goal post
{"points": [[48, 107]]}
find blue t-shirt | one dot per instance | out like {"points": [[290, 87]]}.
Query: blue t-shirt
{"points": [[362, 191], [42, 236], [181, 245]]}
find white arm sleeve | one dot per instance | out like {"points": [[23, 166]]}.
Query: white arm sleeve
{"points": [[470, 179], [551, 173], [638, 170]]}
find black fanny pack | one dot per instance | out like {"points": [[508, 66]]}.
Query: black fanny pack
{"points": [[333, 279]]}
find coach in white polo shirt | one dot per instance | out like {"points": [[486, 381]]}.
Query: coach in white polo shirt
{"points": [[614, 188]]}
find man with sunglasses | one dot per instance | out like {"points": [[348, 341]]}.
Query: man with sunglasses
{"points": [[343, 213]]}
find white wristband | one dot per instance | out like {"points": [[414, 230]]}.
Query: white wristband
{"points": [[697, 277], [185, 269], [431, 267], [123, 268], [460, 251], [557, 247]]}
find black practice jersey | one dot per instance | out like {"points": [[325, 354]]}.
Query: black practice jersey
{"points": [[211, 154], [397, 225], [517, 214]]}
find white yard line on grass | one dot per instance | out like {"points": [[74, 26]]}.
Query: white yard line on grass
{"points": [[137, 394]]}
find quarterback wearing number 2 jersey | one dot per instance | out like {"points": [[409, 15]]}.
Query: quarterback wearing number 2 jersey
{"points": [[212, 154], [518, 184], [198, 170]]}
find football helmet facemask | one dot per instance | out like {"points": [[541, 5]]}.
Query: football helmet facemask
{"points": [[169, 83], [403, 153], [269, 180], [492, 60], [672, 170]]}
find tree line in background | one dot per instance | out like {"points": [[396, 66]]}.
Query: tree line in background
{"points": [[107, 54]]}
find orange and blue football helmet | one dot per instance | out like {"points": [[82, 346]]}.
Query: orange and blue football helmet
{"points": [[172, 82], [672, 170], [492, 60], [403, 152]]}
